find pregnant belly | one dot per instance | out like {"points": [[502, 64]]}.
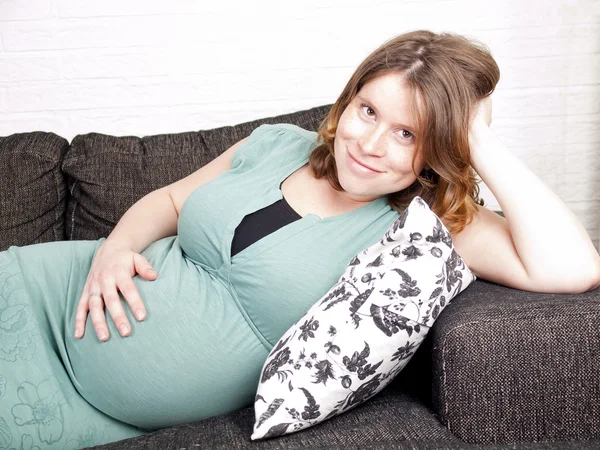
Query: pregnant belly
{"points": [[193, 357]]}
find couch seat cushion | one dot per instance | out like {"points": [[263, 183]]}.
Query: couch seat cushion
{"points": [[391, 417]]}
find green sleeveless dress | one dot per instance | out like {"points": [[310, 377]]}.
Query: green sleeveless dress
{"points": [[211, 321]]}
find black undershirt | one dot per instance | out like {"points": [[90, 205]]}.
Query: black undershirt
{"points": [[261, 223]]}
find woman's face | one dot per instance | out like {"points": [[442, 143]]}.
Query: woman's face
{"points": [[375, 140]]}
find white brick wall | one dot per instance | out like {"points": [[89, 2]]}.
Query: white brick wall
{"points": [[141, 67]]}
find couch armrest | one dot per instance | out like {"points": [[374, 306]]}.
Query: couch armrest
{"points": [[515, 366]]}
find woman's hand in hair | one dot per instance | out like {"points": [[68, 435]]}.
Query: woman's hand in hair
{"points": [[483, 111], [480, 132]]}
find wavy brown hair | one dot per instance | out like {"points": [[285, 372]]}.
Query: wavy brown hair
{"points": [[447, 75]]}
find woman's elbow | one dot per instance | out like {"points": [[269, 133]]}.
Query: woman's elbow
{"points": [[578, 280], [593, 280]]}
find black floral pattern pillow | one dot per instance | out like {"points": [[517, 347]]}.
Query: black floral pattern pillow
{"points": [[360, 335]]}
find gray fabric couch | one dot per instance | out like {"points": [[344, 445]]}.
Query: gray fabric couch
{"points": [[501, 368]]}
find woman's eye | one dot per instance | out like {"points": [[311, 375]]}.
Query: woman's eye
{"points": [[368, 109], [406, 134]]}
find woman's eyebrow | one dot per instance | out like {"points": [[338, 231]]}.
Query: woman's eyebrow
{"points": [[366, 100]]}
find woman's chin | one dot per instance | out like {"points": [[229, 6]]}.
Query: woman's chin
{"points": [[355, 193]]}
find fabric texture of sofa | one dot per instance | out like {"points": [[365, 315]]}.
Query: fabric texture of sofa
{"points": [[501, 368]]}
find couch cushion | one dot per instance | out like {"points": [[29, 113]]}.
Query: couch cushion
{"points": [[391, 420], [388, 419], [512, 366], [107, 174], [34, 192]]}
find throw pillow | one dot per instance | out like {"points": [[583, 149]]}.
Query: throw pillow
{"points": [[364, 330]]}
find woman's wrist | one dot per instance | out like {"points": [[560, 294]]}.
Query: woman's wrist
{"points": [[478, 130], [113, 243]]}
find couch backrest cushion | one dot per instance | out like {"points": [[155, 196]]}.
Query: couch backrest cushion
{"points": [[107, 174], [33, 191]]}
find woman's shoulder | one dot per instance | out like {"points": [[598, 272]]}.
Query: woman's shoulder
{"points": [[274, 144], [286, 129]]}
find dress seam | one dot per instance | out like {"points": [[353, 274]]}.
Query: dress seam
{"points": [[273, 245], [268, 346], [298, 134]]}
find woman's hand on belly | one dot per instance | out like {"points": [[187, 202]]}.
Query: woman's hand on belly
{"points": [[112, 269]]}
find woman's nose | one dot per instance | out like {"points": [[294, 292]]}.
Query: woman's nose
{"points": [[372, 142]]}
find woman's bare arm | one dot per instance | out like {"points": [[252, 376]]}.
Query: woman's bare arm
{"points": [[118, 259], [155, 215]]}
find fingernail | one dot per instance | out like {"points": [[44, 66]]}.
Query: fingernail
{"points": [[77, 333], [124, 329], [102, 335], [153, 272], [139, 314]]}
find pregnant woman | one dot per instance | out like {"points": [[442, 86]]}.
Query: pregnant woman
{"points": [[170, 319]]}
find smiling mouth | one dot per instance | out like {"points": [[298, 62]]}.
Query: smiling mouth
{"points": [[362, 165]]}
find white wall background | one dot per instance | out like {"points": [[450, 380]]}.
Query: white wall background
{"points": [[140, 67]]}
